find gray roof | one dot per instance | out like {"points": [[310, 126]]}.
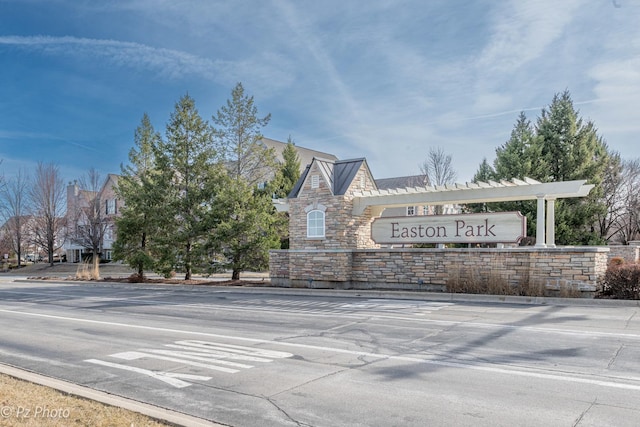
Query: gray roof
{"points": [[339, 172], [401, 182], [344, 172], [305, 155]]}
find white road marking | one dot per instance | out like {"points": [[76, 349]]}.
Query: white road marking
{"points": [[194, 353], [526, 373], [171, 378], [135, 355]]}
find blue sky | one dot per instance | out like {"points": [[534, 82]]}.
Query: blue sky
{"points": [[380, 79]]}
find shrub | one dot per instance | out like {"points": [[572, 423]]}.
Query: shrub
{"points": [[616, 261], [622, 281]]}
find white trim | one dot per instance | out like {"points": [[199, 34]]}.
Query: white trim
{"points": [[316, 227]]}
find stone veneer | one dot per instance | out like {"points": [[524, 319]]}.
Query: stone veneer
{"points": [[432, 268], [342, 229], [346, 257], [630, 253]]}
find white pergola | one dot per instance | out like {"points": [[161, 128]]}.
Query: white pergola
{"points": [[481, 192]]}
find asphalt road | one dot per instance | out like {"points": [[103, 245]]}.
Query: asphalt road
{"points": [[261, 359]]}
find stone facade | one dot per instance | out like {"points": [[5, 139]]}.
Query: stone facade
{"points": [[630, 253], [342, 228], [346, 256], [434, 268]]}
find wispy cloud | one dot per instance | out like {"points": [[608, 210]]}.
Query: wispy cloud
{"points": [[522, 31], [168, 63], [161, 62]]}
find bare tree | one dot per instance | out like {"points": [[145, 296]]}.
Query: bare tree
{"points": [[438, 170], [628, 223], [15, 208], [48, 202], [89, 218]]}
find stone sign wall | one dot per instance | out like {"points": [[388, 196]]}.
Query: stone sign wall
{"points": [[346, 252]]}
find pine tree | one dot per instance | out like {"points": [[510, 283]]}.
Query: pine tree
{"points": [[238, 139], [561, 147], [571, 150], [190, 180], [289, 171], [519, 157], [142, 201], [484, 173], [247, 228], [248, 225]]}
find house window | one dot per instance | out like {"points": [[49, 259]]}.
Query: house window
{"points": [[315, 181], [411, 210], [315, 223], [111, 206]]}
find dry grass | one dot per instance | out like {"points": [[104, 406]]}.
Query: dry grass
{"points": [[88, 271], [26, 404], [471, 281]]}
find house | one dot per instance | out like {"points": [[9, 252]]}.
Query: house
{"points": [[86, 226], [305, 155]]}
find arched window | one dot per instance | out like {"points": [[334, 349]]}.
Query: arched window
{"points": [[315, 223]]}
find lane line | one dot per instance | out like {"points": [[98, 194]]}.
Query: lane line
{"points": [[412, 318], [524, 373]]}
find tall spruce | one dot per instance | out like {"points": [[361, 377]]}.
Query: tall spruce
{"points": [[485, 173], [189, 176], [142, 200], [248, 224], [560, 147], [248, 227], [571, 149], [519, 157], [237, 130], [289, 171]]}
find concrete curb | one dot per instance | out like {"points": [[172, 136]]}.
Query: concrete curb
{"points": [[156, 412], [366, 293]]}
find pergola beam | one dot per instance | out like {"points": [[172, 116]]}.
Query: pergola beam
{"points": [[482, 193]]}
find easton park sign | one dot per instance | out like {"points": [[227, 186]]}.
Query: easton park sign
{"points": [[500, 227]]}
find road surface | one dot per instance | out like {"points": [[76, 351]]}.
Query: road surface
{"points": [[257, 359]]}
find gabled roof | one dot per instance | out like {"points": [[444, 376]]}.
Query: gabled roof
{"points": [[339, 174], [344, 173]]}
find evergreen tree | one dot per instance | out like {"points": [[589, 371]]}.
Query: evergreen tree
{"points": [[561, 147], [570, 150], [237, 133], [248, 225], [485, 173], [142, 200], [519, 157], [247, 228], [189, 177], [288, 172]]}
